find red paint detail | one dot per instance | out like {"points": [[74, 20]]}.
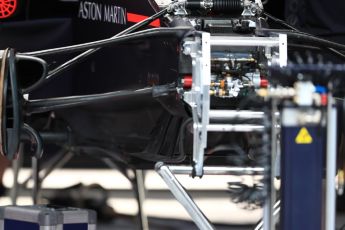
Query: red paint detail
{"points": [[7, 8], [187, 82], [324, 99], [264, 83], [138, 18]]}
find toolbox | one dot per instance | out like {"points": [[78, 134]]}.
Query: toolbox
{"points": [[46, 217]]}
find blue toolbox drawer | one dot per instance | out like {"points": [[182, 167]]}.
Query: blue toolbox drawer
{"points": [[45, 217]]}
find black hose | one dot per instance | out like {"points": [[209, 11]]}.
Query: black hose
{"points": [[151, 33], [81, 57], [305, 37], [310, 47], [36, 139], [50, 137], [313, 39], [277, 20], [46, 105]]}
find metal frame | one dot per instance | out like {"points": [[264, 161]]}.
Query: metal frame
{"points": [[167, 174], [245, 41], [199, 98], [235, 114], [268, 220], [39, 173], [183, 197], [218, 170], [276, 212], [141, 195], [331, 164]]}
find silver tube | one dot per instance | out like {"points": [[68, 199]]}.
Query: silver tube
{"points": [[221, 170], [331, 164], [183, 197], [268, 208], [275, 214], [36, 179], [235, 128], [16, 165], [244, 41], [234, 114], [140, 181]]}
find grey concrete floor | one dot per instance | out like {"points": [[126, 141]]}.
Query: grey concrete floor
{"points": [[210, 194]]}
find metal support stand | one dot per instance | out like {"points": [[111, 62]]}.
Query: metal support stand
{"points": [[57, 161], [276, 211], [38, 174], [198, 97], [167, 173], [36, 179], [140, 193], [218, 170], [268, 208], [183, 197], [331, 164], [16, 165], [48, 168]]}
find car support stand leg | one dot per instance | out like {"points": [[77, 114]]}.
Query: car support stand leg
{"points": [[16, 165], [183, 197], [140, 195], [36, 179], [331, 164]]}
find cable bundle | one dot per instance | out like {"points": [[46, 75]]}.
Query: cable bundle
{"points": [[259, 156]]}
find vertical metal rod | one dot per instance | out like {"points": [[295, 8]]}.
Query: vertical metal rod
{"points": [[36, 180], [268, 208], [140, 187], [275, 214], [16, 165], [183, 197], [267, 218], [331, 164], [201, 87]]}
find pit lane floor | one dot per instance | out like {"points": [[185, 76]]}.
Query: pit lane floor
{"points": [[210, 193]]}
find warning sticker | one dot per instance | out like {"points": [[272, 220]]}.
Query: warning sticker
{"points": [[303, 137]]}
